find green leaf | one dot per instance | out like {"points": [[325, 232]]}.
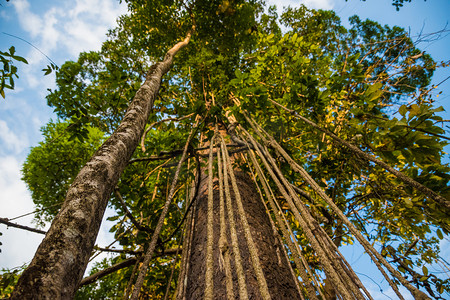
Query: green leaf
{"points": [[414, 110], [402, 110], [408, 203], [20, 58], [439, 234], [238, 73], [425, 271], [47, 71], [12, 50]]}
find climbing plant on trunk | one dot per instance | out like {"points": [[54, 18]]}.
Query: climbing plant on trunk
{"points": [[323, 130]]}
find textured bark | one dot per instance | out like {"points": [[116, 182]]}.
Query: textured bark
{"points": [[61, 259], [275, 266]]}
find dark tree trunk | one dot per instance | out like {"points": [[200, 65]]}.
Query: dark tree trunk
{"points": [[274, 264], [61, 259]]}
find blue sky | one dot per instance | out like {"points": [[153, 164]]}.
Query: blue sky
{"points": [[61, 29]]}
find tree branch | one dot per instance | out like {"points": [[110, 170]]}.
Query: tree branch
{"points": [[197, 187], [129, 215], [156, 123], [123, 264], [6, 222]]}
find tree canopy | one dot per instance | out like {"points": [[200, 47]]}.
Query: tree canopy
{"points": [[300, 82]]}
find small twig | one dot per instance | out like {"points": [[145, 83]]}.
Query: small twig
{"points": [[118, 250], [158, 122], [129, 215], [197, 187], [175, 153], [36, 211]]}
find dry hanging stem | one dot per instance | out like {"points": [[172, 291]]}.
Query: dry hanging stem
{"points": [[322, 194], [224, 255], [376, 257], [296, 253], [243, 295], [329, 263], [209, 283], [182, 278], [154, 239], [283, 225], [251, 245]]}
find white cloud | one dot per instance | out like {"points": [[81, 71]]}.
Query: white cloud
{"points": [[318, 4], [4, 15], [29, 21], [18, 246], [69, 27], [10, 140], [315, 4]]}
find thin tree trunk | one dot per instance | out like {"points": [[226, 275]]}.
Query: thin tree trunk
{"points": [[61, 259], [280, 282]]}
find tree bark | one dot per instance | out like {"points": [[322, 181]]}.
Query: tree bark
{"points": [[280, 282], [61, 259]]}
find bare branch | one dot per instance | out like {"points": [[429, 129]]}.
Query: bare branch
{"points": [[123, 264], [129, 215], [6, 222]]}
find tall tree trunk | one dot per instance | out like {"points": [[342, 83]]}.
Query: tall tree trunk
{"points": [[275, 266], [61, 259]]}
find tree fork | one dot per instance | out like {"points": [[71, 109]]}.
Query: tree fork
{"points": [[61, 259]]}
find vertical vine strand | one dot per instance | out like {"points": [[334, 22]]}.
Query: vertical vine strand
{"points": [[264, 290], [348, 275], [234, 240], [327, 245], [209, 282], [154, 239], [166, 295], [375, 256], [224, 254], [327, 264], [282, 225]]}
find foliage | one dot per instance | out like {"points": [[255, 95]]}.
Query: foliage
{"points": [[8, 278], [110, 288], [9, 70], [368, 84], [51, 167]]}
